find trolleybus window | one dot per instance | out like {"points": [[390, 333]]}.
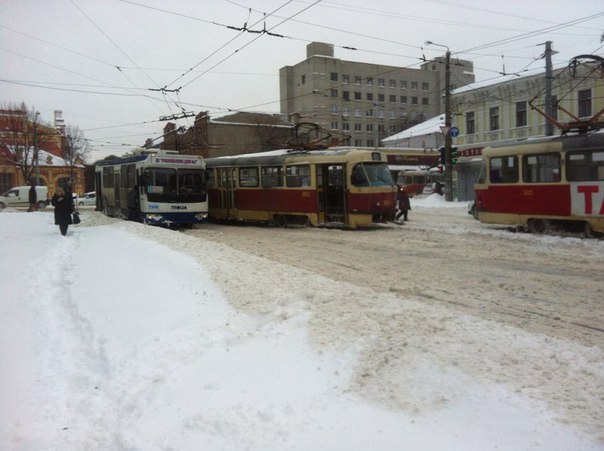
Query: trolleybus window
{"points": [[298, 175], [248, 177], [504, 169], [160, 181], [371, 174], [542, 168], [585, 166], [108, 177], [272, 176], [191, 182]]}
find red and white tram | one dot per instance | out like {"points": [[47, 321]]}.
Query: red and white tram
{"points": [[544, 183], [345, 187]]}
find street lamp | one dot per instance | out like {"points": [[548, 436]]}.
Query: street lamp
{"points": [[448, 114]]}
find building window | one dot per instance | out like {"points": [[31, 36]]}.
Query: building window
{"points": [[358, 142], [381, 97], [392, 114], [358, 127], [585, 103], [403, 99], [345, 125], [303, 79], [521, 112], [381, 82], [357, 80], [369, 96], [381, 128], [369, 81], [425, 101], [425, 86], [414, 100], [345, 79], [381, 113], [414, 85], [334, 92], [357, 96], [346, 95], [357, 112], [392, 83], [369, 127], [403, 85], [392, 98], [470, 123], [494, 118], [370, 143], [335, 109], [335, 125], [333, 76], [369, 112]]}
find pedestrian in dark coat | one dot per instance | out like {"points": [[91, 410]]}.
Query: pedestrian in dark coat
{"points": [[404, 205], [63, 209], [33, 198]]}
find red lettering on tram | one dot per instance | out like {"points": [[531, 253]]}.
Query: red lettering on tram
{"points": [[587, 192]]}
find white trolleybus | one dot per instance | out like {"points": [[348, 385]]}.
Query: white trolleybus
{"points": [[153, 187]]}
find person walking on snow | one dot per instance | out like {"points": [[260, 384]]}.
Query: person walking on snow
{"points": [[63, 209], [404, 205]]}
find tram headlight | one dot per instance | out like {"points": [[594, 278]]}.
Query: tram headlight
{"points": [[201, 216]]}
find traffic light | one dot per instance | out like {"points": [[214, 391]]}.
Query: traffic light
{"points": [[454, 155], [442, 155]]}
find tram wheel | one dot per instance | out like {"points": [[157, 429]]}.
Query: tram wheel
{"points": [[538, 226], [282, 221]]}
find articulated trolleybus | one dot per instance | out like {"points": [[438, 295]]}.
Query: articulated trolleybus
{"points": [[154, 187], [340, 187], [544, 183]]}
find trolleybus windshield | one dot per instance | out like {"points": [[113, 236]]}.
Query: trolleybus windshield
{"points": [[371, 174], [175, 185]]}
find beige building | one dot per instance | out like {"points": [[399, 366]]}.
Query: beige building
{"points": [[501, 112], [361, 101]]}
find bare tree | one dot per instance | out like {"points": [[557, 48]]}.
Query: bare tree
{"points": [[23, 135], [75, 148]]}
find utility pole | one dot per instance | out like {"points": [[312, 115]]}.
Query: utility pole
{"points": [[448, 117], [549, 107]]}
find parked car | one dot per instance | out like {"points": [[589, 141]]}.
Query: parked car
{"points": [[87, 199], [19, 197]]}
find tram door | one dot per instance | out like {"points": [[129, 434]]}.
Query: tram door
{"points": [[227, 179], [332, 193]]}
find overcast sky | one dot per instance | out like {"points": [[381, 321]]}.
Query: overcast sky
{"points": [[103, 62]]}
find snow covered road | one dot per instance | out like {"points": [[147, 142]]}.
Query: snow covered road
{"points": [[122, 336]]}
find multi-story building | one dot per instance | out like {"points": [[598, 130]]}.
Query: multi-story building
{"points": [[20, 133], [363, 101], [234, 134]]}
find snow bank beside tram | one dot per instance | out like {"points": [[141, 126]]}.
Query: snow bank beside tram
{"points": [[434, 201]]}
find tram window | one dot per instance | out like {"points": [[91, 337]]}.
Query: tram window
{"points": [[504, 169], [585, 166], [248, 177], [371, 174], [298, 175], [272, 176], [542, 168]]}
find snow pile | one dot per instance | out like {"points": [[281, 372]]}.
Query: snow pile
{"points": [[122, 336]]}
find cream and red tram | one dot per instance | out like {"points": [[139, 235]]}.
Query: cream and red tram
{"points": [[346, 187], [543, 183]]}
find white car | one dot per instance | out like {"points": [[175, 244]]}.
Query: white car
{"points": [[87, 199]]}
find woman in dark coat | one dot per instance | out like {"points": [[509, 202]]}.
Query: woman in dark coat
{"points": [[63, 209], [404, 205]]}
